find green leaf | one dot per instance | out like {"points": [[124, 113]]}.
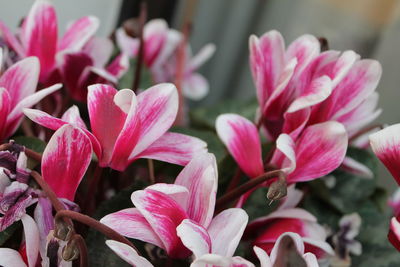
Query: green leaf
{"points": [[31, 142], [8, 232], [205, 117]]}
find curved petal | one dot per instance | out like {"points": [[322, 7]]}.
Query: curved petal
{"points": [[43, 119], [39, 35], [394, 233], [128, 254], [292, 198], [385, 145], [73, 116], [31, 233], [285, 156], [200, 177], [106, 118], [21, 79], [155, 34], [65, 160], [131, 223], [311, 260], [320, 150], [226, 230], [263, 257], [218, 260], [205, 53], [127, 44], [79, 33], [158, 107], [11, 258], [195, 86], [286, 241], [119, 66], [99, 49], [243, 142], [11, 40], [177, 192], [304, 49], [194, 237], [5, 103], [164, 215], [174, 148], [351, 165]]}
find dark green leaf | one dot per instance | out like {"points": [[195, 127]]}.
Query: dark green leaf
{"points": [[8, 232], [31, 142]]}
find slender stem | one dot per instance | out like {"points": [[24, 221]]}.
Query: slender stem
{"points": [[83, 252], [364, 131], [33, 154], [139, 62], [239, 191], [150, 165], [48, 191], [107, 231]]}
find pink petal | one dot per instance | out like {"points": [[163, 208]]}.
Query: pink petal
{"points": [[219, 260], [164, 215], [195, 86], [11, 258], [65, 160], [295, 122], [11, 40], [4, 111], [118, 66], [243, 142], [304, 49], [267, 62], [44, 119], [174, 38], [357, 168], [320, 150], [78, 33], [194, 237], [106, 119], [21, 79], [385, 145], [226, 230], [31, 233], [128, 254], [200, 177], [155, 35], [158, 107], [99, 49], [73, 116], [131, 223], [127, 44], [394, 233], [177, 192], [39, 35], [292, 198], [174, 148], [205, 53]]}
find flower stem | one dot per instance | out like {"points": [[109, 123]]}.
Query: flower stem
{"points": [[48, 191], [107, 231], [150, 165], [139, 62]]}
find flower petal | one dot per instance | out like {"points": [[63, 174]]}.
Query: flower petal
{"points": [[65, 160], [320, 149], [195, 86], [73, 116], [5, 103], [99, 49], [304, 49], [285, 242], [155, 34], [243, 142], [131, 223], [127, 44], [385, 145], [174, 148], [394, 233], [44, 119], [177, 192], [11, 258], [79, 33], [226, 230], [128, 254], [21, 79], [218, 260], [205, 53], [285, 156], [194, 237], [31, 233], [158, 107], [164, 215], [351, 165], [119, 66], [11, 40], [200, 177]]}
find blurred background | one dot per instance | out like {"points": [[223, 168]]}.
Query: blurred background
{"points": [[370, 27]]}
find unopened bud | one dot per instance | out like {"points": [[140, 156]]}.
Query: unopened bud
{"points": [[277, 190], [62, 231], [70, 251]]}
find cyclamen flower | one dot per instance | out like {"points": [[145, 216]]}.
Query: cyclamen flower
{"points": [[161, 57], [282, 253], [301, 86], [161, 208], [317, 151], [126, 127]]}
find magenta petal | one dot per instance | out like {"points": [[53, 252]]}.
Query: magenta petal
{"points": [[78, 33], [319, 150], [385, 145], [304, 49], [65, 160], [39, 35], [200, 177], [21, 79], [174, 148], [44, 119], [73, 116], [194, 237], [118, 66], [243, 142], [155, 35], [128, 254], [394, 233], [4, 111], [164, 215], [11, 40], [295, 122], [106, 119], [131, 223]]}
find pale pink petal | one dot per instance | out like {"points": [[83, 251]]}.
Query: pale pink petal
{"points": [[73, 116], [281, 245], [295, 122], [131, 223], [226, 230], [158, 107], [357, 168], [99, 49], [65, 160], [78, 33], [39, 35], [243, 142], [205, 53], [11, 40], [174, 148], [155, 34], [118, 66], [311, 260], [177, 192], [127, 44], [21, 79], [292, 198], [285, 156], [219, 260], [394, 233], [128, 254], [385, 145], [194, 237], [31, 233], [174, 38], [200, 177], [164, 215], [304, 49], [44, 119], [263, 257], [266, 62], [106, 118], [11, 258], [320, 150], [195, 86]]}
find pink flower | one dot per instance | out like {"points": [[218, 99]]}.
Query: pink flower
{"points": [[128, 254], [17, 91], [394, 202], [317, 151], [126, 127], [161, 208], [394, 232], [286, 244]]}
